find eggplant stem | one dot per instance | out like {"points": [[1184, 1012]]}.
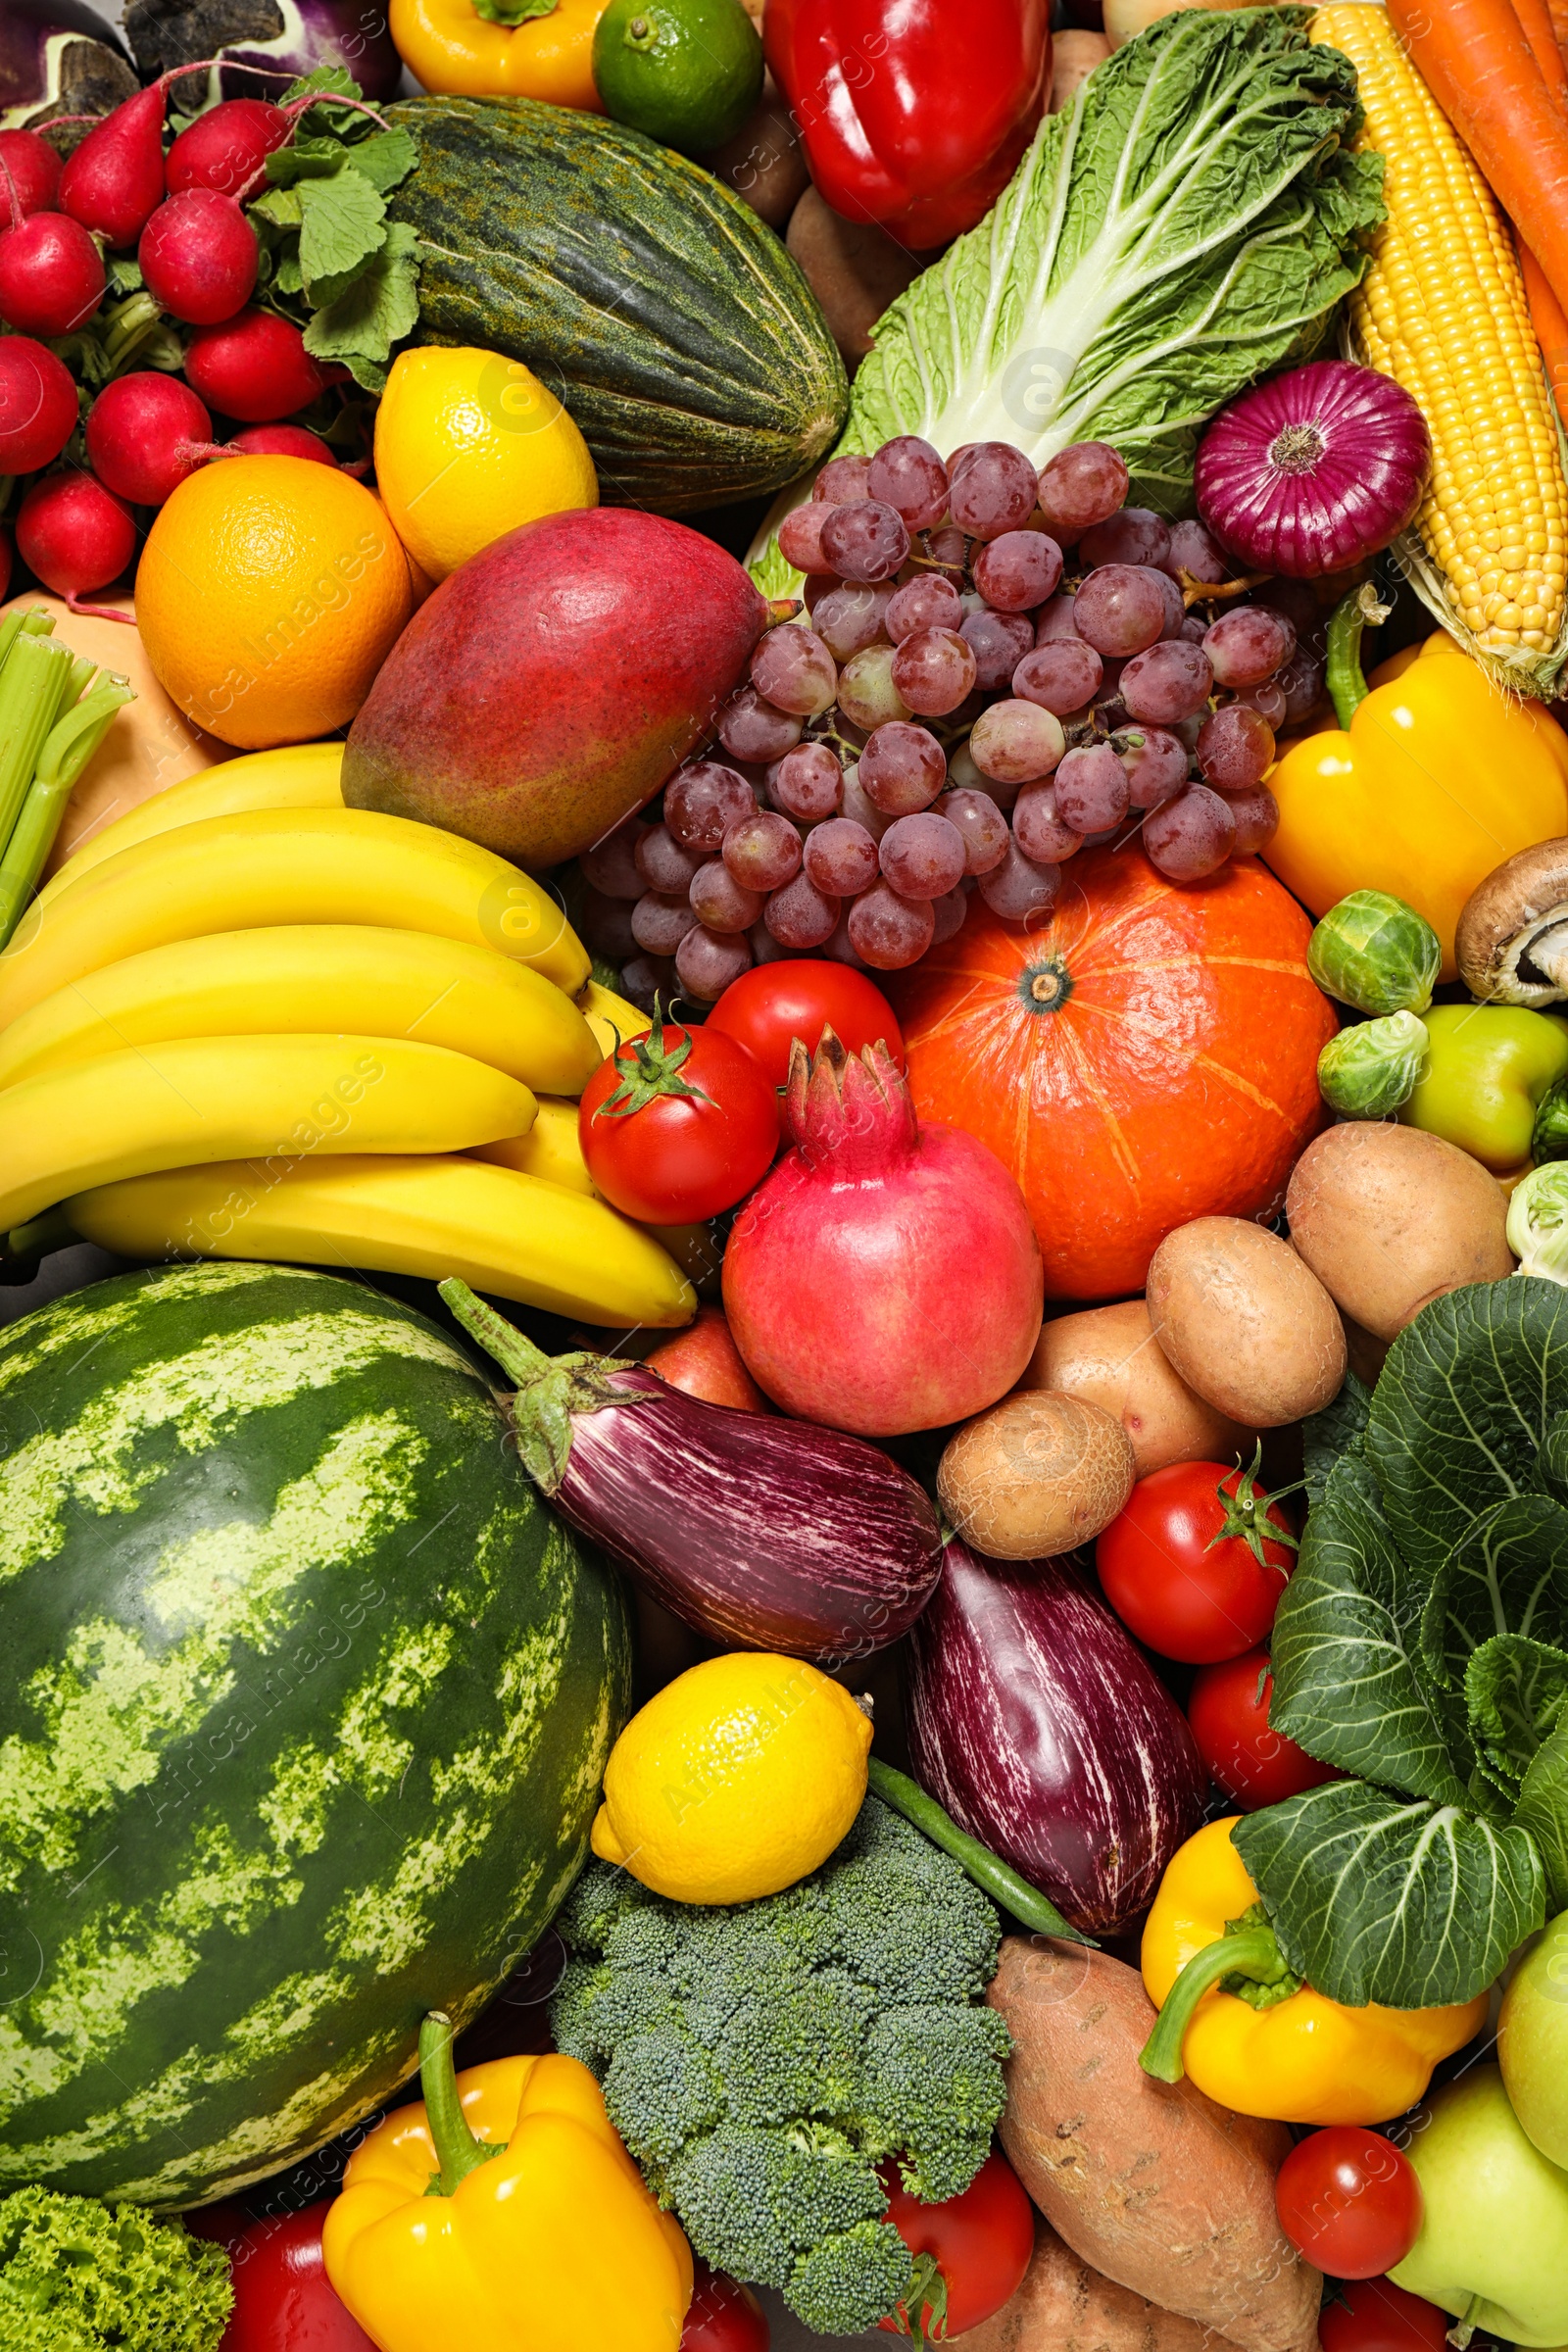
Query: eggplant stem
{"points": [[511, 1347], [998, 1879]]}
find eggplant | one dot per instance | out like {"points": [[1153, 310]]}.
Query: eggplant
{"points": [[759, 1532], [59, 57], [284, 38], [1036, 1720]]}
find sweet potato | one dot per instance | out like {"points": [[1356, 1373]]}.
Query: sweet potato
{"points": [[1163, 2191], [1065, 2306]]}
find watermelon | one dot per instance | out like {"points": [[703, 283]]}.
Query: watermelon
{"points": [[305, 1706]]}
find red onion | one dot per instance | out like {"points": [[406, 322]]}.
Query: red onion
{"points": [[1309, 474]]}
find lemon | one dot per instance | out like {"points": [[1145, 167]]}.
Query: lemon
{"points": [[739, 1777], [686, 72], [468, 446]]}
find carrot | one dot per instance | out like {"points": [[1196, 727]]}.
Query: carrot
{"points": [[1558, 10], [1479, 67], [1550, 326], [1535, 18]]}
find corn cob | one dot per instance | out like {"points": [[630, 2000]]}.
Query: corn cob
{"points": [[1443, 311]]}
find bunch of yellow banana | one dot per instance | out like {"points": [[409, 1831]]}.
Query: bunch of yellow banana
{"points": [[246, 1021]]}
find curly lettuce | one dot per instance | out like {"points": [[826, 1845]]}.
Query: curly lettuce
{"points": [[80, 2277]]}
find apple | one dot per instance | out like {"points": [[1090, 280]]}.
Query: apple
{"points": [[1533, 2042], [1494, 2241]]}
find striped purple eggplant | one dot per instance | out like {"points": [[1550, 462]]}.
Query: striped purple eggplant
{"points": [[760, 1532], [1038, 1723]]}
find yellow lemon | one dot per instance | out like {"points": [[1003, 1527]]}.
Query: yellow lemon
{"points": [[739, 1777], [468, 446]]}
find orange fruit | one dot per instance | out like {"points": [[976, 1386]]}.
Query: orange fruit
{"points": [[270, 592]]}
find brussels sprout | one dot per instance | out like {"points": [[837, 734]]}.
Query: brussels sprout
{"points": [[1377, 954], [1372, 1068], [1537, 1222]]}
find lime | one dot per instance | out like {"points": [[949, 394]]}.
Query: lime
{"points": [[686, 72]]}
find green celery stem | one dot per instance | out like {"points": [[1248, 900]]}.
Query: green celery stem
{"points": [[999, 1879], [31, 685], [65, 755], [1254, 1953], [457, 2150], [512, 1348], [1346, 681]]}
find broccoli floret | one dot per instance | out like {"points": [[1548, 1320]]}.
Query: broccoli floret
{"points": [[80, 2277], [762, 2060]]}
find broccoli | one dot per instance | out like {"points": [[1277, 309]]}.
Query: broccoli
{"points": [[80, 2277], [762, 2060]]}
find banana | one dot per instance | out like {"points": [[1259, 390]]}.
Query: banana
{"points": [[227, 1097], [311, 978], [286, 865], [550, 1151], [504, 1232], [611, 1018], [301, 775]]}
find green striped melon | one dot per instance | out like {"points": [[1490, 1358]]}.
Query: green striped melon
{"points": [[305, 1706]]}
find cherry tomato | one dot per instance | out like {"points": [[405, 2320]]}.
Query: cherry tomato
{"points": [[680, 1124], [1252, 1762], [979, 2245], [1196, 1562], [775, 1002], [284, 2299], [1349, 2201], [1373, 2315], [725, 2316]]}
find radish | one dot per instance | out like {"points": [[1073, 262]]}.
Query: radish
{"points": [[33, 169], [75, 535], [37, 405], [226, 148], [255, 368], [51, 274], [145, 433], [280, 441], [198, 256], [115, 180]]}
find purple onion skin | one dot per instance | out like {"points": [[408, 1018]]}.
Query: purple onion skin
{"points": [[761, 1533], [352, 33], [1313, 471], [1038, 1723], [30, 84]]}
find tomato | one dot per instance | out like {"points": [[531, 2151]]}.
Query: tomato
{"points": [[978, 2246], [678, 1125], [1196, 1564], [1349, 2201], [725, 2316], [1373, 2315], [1255, 1764], [775, 1002]]}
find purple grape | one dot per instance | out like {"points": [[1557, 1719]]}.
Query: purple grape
{"points": [[1016, 742], [949, 916], [1175, 605], [981, 823], [935, 670], [1121, 608], [867, 696], [660, 921], [750, 728], [1091, 784], [807, 783], [1257, 818], [762, 851], [841, 857], [719, 902], [1018, 890], [1249, 644], [764, 947], [611, 866], [999, 642], [1193, 630], [1061, 675], [793, 671], [842, 480], [902, 769], [647, 978], [1171, 680], [1269, 699], [859, 807], [1302, 682], [707, 962], [865, 541], [799, 916], [1157, 764], [800, 539], [1037, 828], [666, 864], [951, 550], [700, 803], [930, 602], [1135, 535], [1053, 623], [605, 926], [1191, 835], [1235, 748], [922, 856], [888, 932], [1018, 571], [1296, 602], [993, 488], [908, 475], [848, 618], [1083, 485], [1196, 551]]}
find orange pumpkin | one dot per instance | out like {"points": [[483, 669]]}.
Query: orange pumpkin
{"points": [[1143, 1055]]}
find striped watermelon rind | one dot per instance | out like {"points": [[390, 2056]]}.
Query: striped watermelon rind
{"points": [[307, 1700]]}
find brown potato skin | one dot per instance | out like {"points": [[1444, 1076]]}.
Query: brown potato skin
{"points": [[852, 267], [1035, 1475], [1163, 2191], [1389, 1217], [765, 161], [1110, 1357], [1065, 2306], [1074, 54], [1245, 1323]]}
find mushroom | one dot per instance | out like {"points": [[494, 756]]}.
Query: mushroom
{"points": [[1511, 945]]}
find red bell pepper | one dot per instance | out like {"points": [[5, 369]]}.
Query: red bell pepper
{"points": [[284, 2299], [915, 112]]}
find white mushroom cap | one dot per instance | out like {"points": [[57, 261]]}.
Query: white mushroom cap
{"points": [[1511, 943]]}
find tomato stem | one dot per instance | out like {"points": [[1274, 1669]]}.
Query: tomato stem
{"points": [[654, 1073], [1247, 1512]]}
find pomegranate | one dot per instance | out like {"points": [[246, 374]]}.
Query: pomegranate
{"points": [[885, 1276]]}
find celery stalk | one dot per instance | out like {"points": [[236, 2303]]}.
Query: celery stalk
{"points": [[36, 623], [32, 686], [72, 742]]}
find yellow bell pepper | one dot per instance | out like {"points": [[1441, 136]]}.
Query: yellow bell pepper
{"points": [[496, 51], [1428, 782], [1274, 2047], [505, 2213]]}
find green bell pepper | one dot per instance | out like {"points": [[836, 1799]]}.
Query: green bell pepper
{"points": [[1487, 1069]]}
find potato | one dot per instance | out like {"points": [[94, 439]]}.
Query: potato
{"points": [[765, 161], [1244, 1322], [1388, 1217], [1163, 2191], [1035, 1475], [852, 267], [1065, 2306], [1073, 58], [1110, 1357]]}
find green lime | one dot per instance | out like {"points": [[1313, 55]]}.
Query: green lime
{"points": [[686, 72]]}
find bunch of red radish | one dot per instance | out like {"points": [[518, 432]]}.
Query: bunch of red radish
{"points": [[198, 255]]}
